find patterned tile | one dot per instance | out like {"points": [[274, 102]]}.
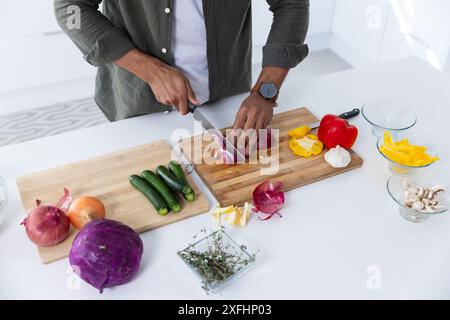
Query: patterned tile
{"points": [[50, 120]]}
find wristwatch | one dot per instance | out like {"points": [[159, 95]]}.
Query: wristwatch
{"points": [[268, 90]]}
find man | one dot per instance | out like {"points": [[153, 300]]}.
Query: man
{"points": [[153, 55]]}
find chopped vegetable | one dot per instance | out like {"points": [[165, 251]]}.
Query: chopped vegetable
{"points": [[106, 253], [268, 197], [335, 131], [405, 153], [233, 215], [85, 209], [299, 132], [48, 225], [424, 199], [228, 157], [338, 157], [307, 146]]}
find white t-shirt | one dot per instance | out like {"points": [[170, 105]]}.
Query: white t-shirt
{"points": [[189, 45]]}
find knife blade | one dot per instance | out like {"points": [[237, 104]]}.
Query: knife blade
{"points": [[346, 115], [198, 116]]}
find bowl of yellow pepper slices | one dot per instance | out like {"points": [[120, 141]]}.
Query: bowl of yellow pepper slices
{"points": [[406, 155]]}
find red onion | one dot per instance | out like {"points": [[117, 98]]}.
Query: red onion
{"points": [[268, 198], [230, 158], [48, 225]]}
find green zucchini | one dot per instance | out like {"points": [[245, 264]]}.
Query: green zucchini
{"points": [[177, 171], [173, 182], [157, 183], [152, 195]]}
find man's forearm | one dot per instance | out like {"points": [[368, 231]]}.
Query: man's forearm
{"points": [[139, 63]]}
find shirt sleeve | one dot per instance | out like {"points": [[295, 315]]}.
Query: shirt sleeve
{"points": [[100, 41], [285, 45]]}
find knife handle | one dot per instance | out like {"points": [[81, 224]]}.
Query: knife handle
{"points": [[349, 114], [191, 107]]}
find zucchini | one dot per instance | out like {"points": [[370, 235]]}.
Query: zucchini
{"points": [[157, 183], [152, 195], [177, 171], [173, 182]]}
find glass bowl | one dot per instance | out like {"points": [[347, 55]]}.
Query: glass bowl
{"points": [[3, 199], [388, 115], [401, 169], [397, 185], [242, 260]]}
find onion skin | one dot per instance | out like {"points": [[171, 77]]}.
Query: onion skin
{"points": [[106, 253], [47, 226]]}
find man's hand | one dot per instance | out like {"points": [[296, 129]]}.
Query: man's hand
{"points": [[254, 113], [168, 84]]}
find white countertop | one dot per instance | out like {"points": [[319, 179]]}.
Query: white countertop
{"points": [[333, 236]]}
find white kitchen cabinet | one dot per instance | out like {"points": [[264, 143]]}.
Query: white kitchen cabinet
{"points": [[384, 30], [33, 49], [40, 60], [360, 24], [20, 18], [396, 44], [424, 26]]}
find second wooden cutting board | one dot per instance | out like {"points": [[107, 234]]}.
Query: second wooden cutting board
{"points": [[106, 177], [234, 184]]}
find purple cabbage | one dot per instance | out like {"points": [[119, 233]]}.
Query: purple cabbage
{"points": [[106, 253]]}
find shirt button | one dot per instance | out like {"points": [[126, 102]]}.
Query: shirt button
{"points": [[164, 50], [167, 10]]}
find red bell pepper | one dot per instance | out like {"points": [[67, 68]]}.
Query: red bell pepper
{"points": [[335, 131]]}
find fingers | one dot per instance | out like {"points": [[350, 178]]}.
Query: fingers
{"points": [[180, 97], [241, 116], [252, 117], [191, 94], [260, 123], [183, 106], [174, 90]]}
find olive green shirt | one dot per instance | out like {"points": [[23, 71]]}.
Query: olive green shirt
{"points": [[104, 37]]}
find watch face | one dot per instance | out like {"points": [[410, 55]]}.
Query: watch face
{"points": [[268, 90]]}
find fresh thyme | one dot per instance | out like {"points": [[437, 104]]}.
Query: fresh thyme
{"points": [[219, 261]]}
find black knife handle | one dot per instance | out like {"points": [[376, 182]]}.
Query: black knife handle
{"points": [[349, 114], [191, 107]]}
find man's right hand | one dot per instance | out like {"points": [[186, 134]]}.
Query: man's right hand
{"points": [[168, 84]]}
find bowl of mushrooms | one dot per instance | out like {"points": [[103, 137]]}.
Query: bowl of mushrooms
{"points": [[419, 196]]}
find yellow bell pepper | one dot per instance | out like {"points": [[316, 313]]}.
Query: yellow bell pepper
{"points": [[307, 146], [237, 216], [405, 153], [299, 132]]}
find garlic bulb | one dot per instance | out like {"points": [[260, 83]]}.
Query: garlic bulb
{"points": [[338, 157]]}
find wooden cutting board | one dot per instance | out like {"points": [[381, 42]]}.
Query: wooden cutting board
{"points": [[106, 177], [234, 184]]}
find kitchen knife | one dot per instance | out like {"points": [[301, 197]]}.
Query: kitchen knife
{"points": [[198, 116], [345, 115]]}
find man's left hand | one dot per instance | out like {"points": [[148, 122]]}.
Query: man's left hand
{"points": [[254, 113]]}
